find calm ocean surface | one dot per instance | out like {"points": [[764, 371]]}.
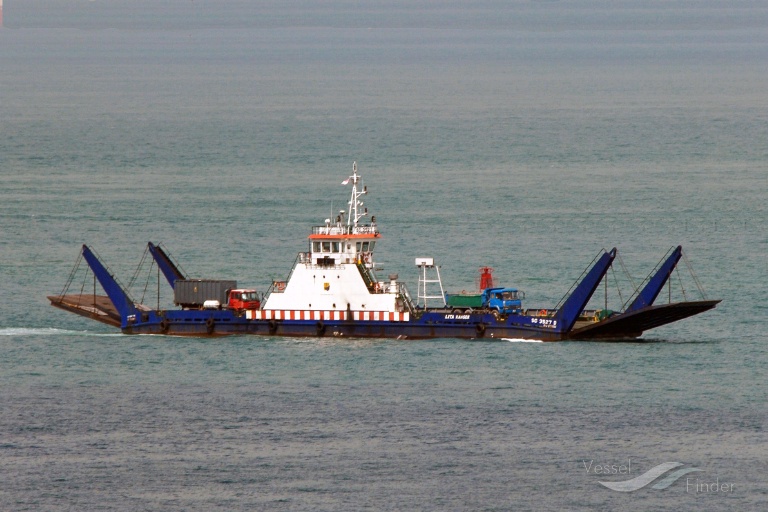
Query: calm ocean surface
{"points": [[528, 149]]}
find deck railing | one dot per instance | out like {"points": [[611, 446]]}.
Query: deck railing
{"points": [[340, 230]]}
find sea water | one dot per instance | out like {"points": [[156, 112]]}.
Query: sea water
{"points": [[525, 148]]}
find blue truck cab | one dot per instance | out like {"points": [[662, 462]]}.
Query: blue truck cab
{"points": [[503, 300]]}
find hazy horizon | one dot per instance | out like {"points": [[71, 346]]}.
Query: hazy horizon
{"points": [[489, 14]]}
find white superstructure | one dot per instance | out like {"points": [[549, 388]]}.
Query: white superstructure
{"points": [[336, 276]]}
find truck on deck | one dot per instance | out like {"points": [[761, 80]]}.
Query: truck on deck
{"points": [[502, 300], [490, 297], [214, 294]]}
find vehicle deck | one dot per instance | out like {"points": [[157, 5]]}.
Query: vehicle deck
{"points": [[96, 307]]}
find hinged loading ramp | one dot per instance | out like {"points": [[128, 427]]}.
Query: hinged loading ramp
{"points": [[642, 314], [112, 309]]}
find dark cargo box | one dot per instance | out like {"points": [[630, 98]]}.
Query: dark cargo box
{"points": [[194, 292]]}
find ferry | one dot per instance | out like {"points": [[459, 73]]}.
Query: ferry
{"points": [[333, 290]]}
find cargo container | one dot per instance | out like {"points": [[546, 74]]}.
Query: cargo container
{"points": [[192, 293]]}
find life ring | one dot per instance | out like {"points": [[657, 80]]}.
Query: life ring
{"points": [[480, 328], [272, 327], [543, 312], [320, 328], [280, 286], [164, 325], [209, 325]]}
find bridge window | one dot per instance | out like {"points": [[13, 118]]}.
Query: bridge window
{"points": [[365, 246]]}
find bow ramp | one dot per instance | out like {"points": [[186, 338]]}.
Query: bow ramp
{"points": [[120, 299], [569, 312], [642, 314], [113, 309], [650, 292], [169, 269]]}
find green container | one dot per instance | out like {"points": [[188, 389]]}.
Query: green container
{"points": [[465, 301]]}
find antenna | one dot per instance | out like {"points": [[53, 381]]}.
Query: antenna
{"points": [[354, 200]]}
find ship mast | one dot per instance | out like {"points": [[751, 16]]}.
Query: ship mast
{"points": [[356, 208]]}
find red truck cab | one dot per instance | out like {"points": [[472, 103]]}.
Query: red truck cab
{"points": [[243, 299]]}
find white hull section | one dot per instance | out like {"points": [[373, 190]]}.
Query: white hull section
{"points": [[359, 316], [335, 288]]}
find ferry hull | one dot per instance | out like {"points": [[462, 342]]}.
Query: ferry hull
{"points": [[480, 326], [384, 330]]}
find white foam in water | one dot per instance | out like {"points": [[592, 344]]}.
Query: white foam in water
{"points": [[521, 340], [26, 331], [47, 331]]}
